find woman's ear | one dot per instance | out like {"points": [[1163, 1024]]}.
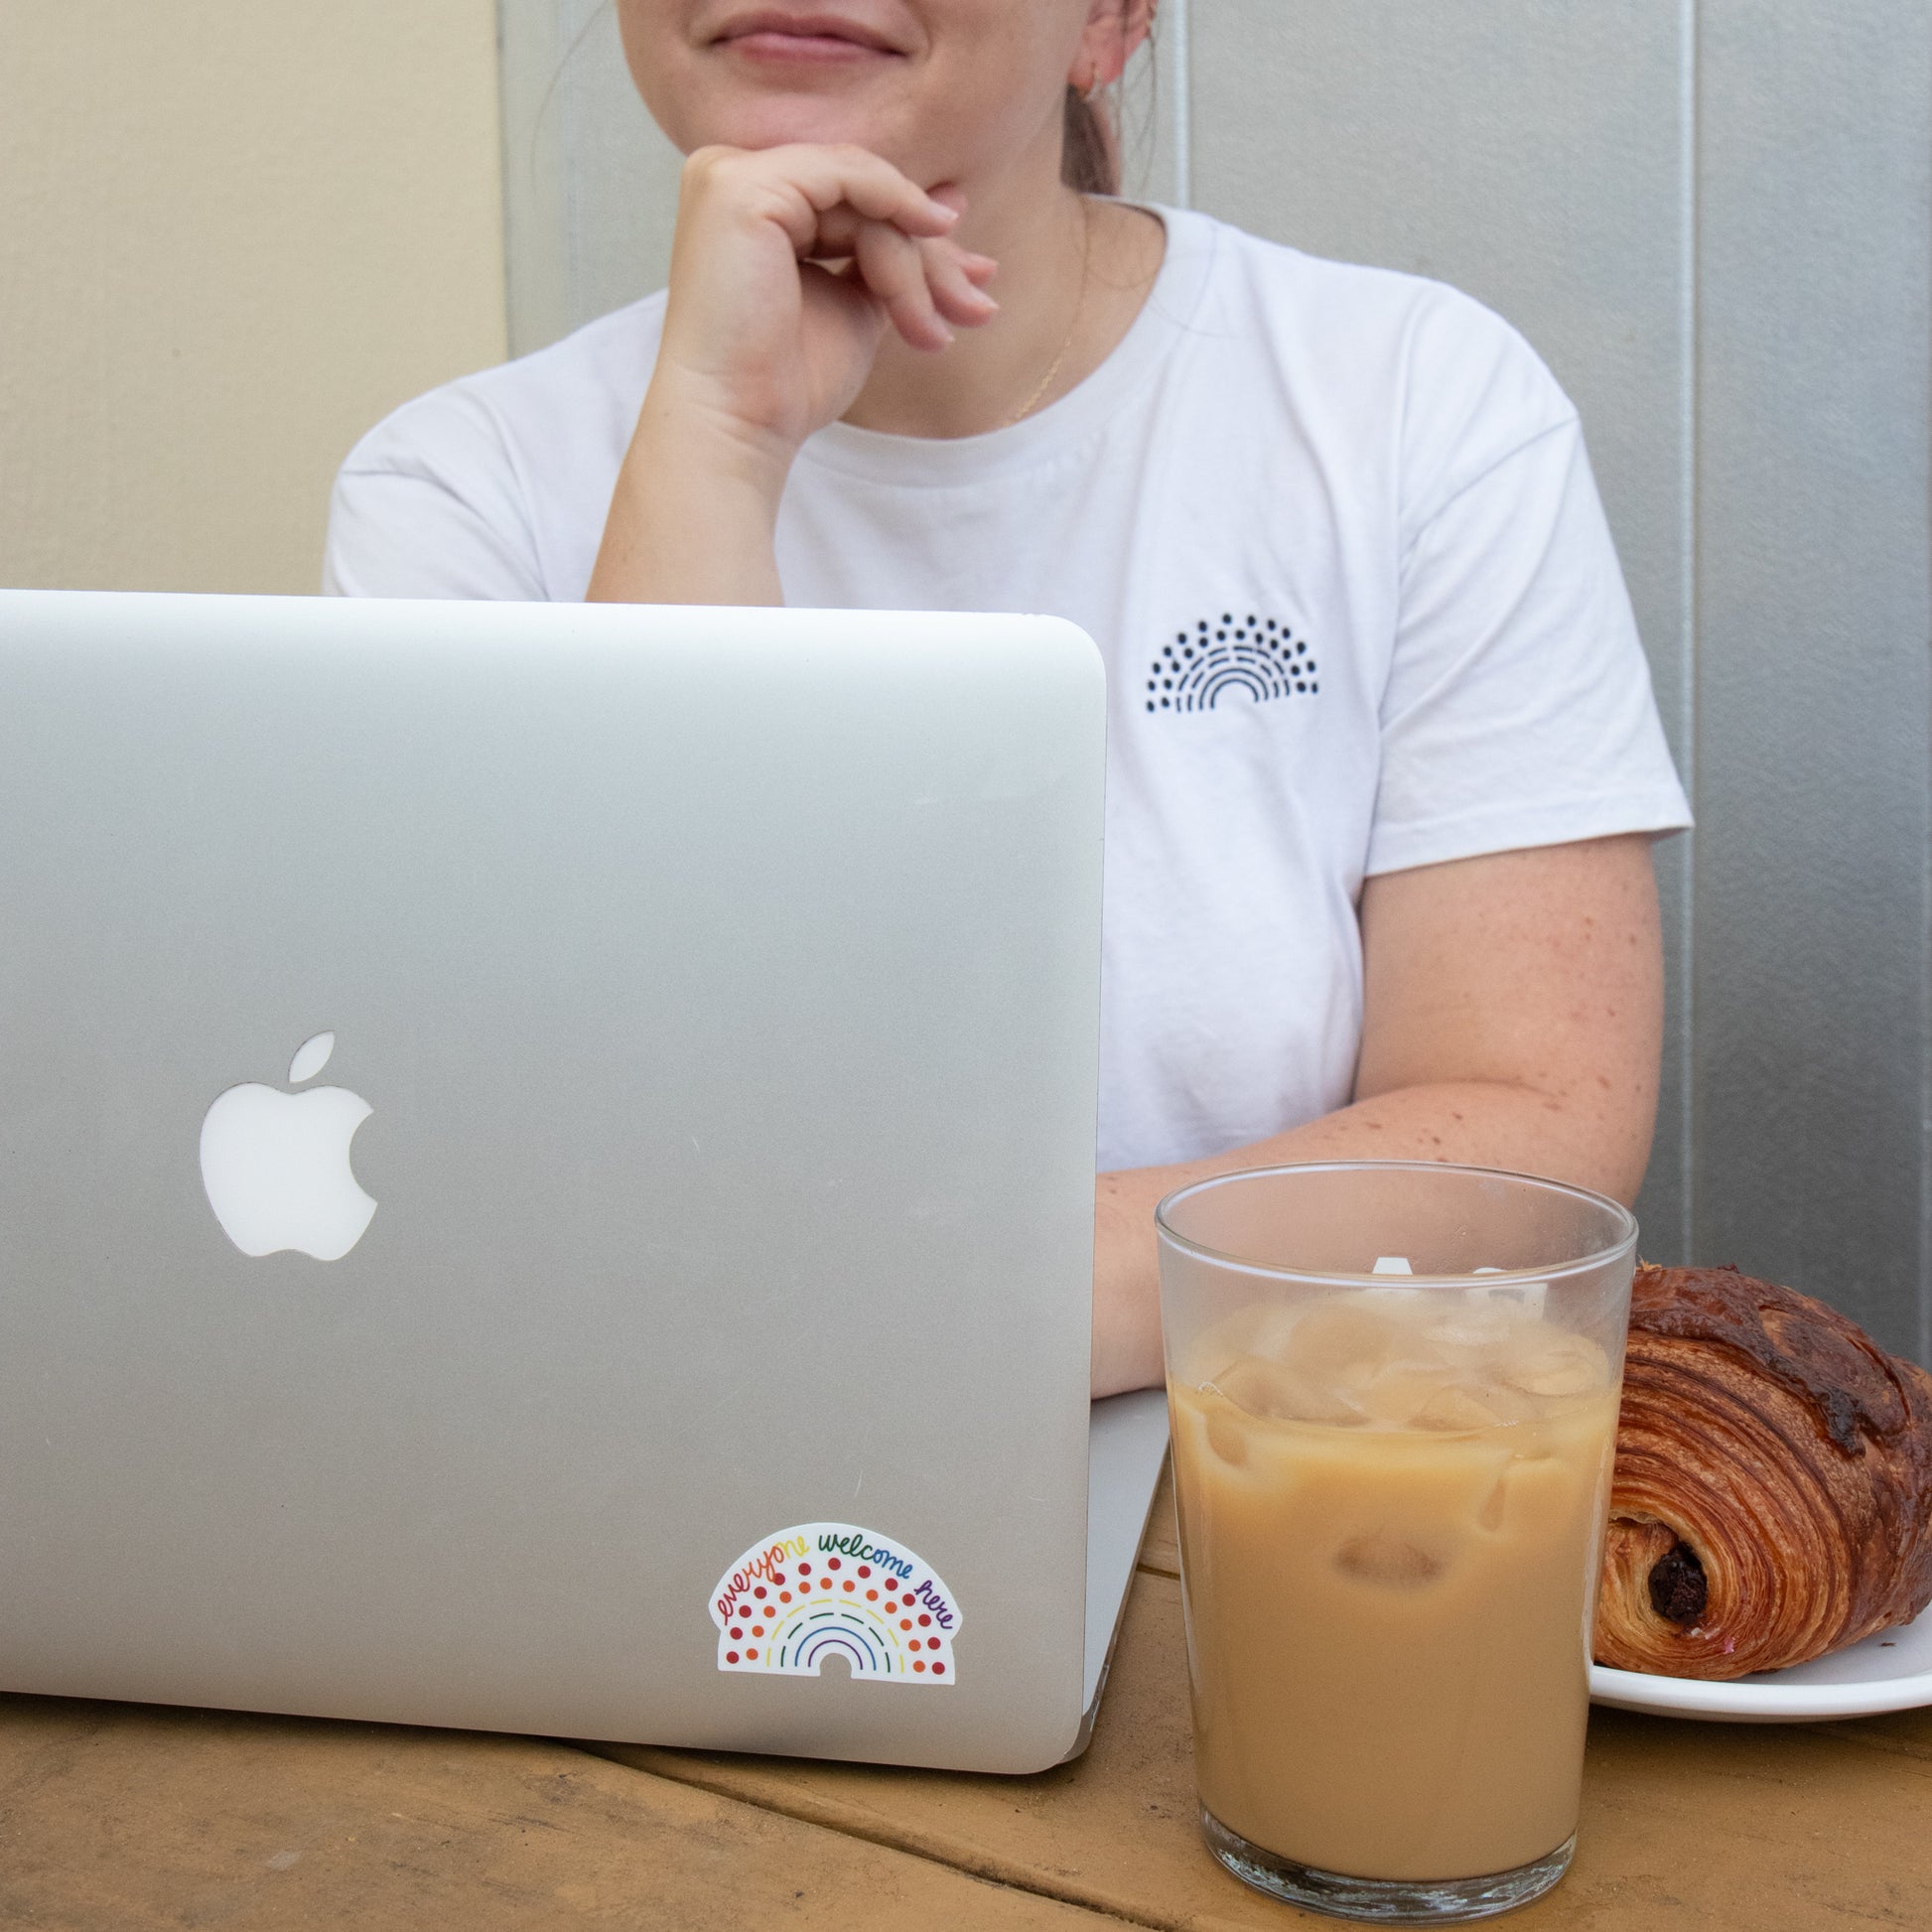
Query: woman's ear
{"points": [[1114, 32]]}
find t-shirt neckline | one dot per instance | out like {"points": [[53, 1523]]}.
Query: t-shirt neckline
{"points": [[871, 455]]}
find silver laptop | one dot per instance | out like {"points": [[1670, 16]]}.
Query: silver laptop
{"points": [[546, 1171]]}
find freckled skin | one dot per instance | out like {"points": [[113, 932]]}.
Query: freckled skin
{"points": [[1512, 1018]]}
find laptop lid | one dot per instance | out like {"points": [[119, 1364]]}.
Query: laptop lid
{"points": [[699, 1011]]}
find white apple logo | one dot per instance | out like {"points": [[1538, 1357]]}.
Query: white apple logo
{"points": [[276, 1164]]}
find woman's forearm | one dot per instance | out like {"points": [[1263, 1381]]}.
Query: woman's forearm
{"points": [[1481, 1123], [693, 518]]}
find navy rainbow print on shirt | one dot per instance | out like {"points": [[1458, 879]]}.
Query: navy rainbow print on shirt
{"points": [[834, 1589], [1248, 660]]}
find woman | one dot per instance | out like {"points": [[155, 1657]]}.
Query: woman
{"points": [[1385, 763]]}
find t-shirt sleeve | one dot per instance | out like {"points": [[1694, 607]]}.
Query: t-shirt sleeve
{"points": [[1518, 709], [428, 506]]}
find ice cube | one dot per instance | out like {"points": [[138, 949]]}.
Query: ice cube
{"points": [[1456, 1407], [1272, 1334], [1260, 1329], [1558, 1366], [1398, 1392], [1490, 1515], [1470, 1329], [1390, 1561], [1253, 1385], [1276, 1394], [1338, 1335], [1529, 1297], [1226, 1437]]}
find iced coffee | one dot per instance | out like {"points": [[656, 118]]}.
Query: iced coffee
{"points": [[1390, 1508], [1392, 1502]]}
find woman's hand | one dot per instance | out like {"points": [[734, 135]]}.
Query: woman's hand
{"points": [[758, 331], [788, 266]]}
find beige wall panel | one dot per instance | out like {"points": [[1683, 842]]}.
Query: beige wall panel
{"points": [[230, 239], [1536, 156]]}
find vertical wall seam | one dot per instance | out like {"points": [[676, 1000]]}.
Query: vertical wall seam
{"points": [[1691, 711], [1925, 964], [1181, 69], [505, 162], [576, 236]]}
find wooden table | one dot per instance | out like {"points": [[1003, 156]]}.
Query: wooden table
{"points": [[127, 1817]]}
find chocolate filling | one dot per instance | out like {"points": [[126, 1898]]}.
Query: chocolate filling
{"points": [[1677, 1587]]}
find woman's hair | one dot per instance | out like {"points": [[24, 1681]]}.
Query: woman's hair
{"points": [[1091, 149], [1090, 152]]}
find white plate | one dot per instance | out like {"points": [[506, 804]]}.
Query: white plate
{"points": [[1889, 1671]]}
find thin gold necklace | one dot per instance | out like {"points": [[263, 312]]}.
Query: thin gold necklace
{"points": [[1046, 381]]}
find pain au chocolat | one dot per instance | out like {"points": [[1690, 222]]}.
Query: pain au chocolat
{"points": [[1772, 1499]]}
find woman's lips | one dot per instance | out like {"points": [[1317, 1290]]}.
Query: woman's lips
{"points": [[812, 49], [807, 41]]}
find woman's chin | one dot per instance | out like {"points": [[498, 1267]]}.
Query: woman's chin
{"points": [[774, 120]]}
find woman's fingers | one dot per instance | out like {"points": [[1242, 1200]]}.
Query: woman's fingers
{"points": [[894, 271], [807, 184], [874, 187], [885, 270], [956, 290], [845, 203]]}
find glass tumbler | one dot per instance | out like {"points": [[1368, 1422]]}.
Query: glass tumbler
{"points": [[1394, 1393]]}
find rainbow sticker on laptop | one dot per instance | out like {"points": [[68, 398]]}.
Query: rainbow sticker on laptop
{"points": [[832, 1589]]}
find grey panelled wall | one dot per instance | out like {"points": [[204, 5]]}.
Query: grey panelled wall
{"points": [[1533, 155], [590, 186], [1713, 217], [1814, 612], [1715, 220]]}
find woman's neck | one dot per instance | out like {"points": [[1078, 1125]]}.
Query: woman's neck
{"points": [[1073, 275]]}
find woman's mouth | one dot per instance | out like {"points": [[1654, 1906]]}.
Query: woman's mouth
{"points": [[814, 40]]}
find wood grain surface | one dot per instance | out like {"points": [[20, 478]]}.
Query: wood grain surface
{"points": [[116, 1817], [129, 1818]]}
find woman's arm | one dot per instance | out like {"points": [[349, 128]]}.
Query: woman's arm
{"points": [[1513, 1018], [763, 344]]}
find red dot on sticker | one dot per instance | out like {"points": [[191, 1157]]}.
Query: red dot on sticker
{"points": [[805, 1569], [731, 1656], [923, 1620], [833, 1564], [777, 1575], [918, 1663], [736, 1634], [939, 1669], [864, 1570], [759, 1592]]}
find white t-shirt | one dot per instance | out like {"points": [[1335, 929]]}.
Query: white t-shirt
{"points": [[1336, 536]]}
